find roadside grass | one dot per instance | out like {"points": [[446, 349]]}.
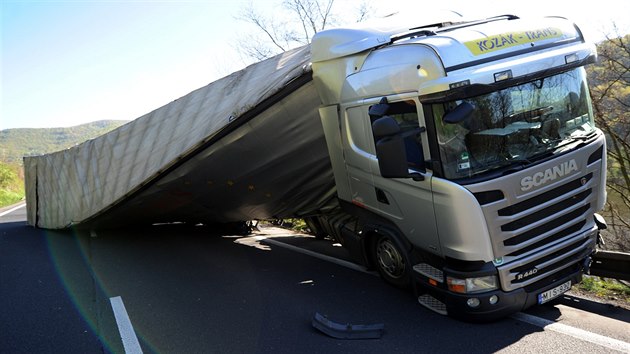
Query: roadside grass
{"points": [[11, 184], [8, 197], [606, 289]]}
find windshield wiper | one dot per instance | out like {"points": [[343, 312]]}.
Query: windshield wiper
{"points": [[569, 140], [515, 166], [524, 162]]}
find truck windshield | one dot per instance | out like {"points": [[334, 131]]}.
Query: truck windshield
{"points": [[515, 126]]}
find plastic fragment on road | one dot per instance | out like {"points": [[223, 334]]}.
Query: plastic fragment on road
{"points": [[347, 331]]}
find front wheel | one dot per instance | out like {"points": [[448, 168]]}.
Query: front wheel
{"points": [[391, 262]]}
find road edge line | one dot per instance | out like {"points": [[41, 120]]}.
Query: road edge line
{"points": [[545, 324], [125, 328], [324, 257], [12, 210], [578, 333]]}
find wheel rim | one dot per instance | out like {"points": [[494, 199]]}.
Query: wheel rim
{"points": [[389, 259]]}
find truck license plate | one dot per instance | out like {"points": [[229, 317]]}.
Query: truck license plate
{"points": [[554, 293]]}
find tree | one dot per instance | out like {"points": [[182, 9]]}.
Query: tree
{"points": [[610, 93], [7, 175], [293, 25]]}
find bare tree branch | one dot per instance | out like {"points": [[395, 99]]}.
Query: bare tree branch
{"points": [[250, 15], [293, 24], [610, 95], [364, 10]]}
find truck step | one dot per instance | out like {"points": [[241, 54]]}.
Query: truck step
{"points": [[429, 272], [432, 304]]}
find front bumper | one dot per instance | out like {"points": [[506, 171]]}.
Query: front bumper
{"points": [[508, 302]]}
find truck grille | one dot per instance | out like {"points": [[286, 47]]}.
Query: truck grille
{"points": [[568, 216], [544, 234], [550, 263]]}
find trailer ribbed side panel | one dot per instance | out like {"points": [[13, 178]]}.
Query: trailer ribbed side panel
{"points": [[247, 146]]}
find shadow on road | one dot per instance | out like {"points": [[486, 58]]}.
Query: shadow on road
{"points": [[194, 289], [606, 310]]}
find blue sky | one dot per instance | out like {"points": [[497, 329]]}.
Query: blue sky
{"points": [[66, 63]]}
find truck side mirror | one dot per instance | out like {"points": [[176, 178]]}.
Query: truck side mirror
{"points": [[385, 127], [390, 150]]}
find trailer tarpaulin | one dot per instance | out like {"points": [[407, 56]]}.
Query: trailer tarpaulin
{"points": [[248, 146]]}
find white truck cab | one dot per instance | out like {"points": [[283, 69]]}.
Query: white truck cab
{"points": [[468, 155]]}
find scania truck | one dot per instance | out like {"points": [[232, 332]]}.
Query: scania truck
{"points": [[468, 155], [457, 158]]}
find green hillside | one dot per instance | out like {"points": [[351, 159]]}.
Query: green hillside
{"points": [[16, 143]]}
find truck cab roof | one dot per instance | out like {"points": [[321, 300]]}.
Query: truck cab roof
{"points": [[462, 41]]}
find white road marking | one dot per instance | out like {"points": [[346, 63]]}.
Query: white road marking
{"points": [[12, 209], [324, 257], [545, 324], [125, 328], [578, 333]]}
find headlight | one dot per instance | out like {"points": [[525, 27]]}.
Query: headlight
{"points": [[472, 285]]}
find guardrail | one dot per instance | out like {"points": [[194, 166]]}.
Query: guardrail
{"points": [[610, 264]]}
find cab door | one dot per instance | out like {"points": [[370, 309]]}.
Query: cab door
{"points": [[406, 201]]}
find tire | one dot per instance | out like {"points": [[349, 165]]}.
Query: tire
{"points": [[391, 262]]}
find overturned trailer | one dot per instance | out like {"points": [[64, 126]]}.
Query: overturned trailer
{"points": [[248, 146]]}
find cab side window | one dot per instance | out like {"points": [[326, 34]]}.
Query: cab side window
{"points": [[405, 113]]}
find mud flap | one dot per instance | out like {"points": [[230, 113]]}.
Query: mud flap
{"points": [[347, 331]]}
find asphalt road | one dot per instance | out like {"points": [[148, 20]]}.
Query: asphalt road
{"points": [[187, 289]]}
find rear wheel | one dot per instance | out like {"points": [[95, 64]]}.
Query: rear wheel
{"points": [[391, 262]]}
